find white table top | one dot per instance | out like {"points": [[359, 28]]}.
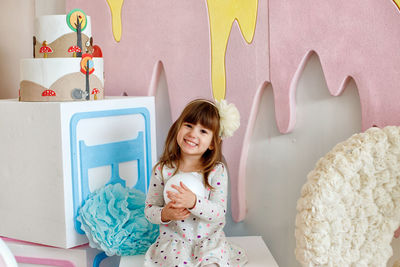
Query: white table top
{"points": [[257, 252]]}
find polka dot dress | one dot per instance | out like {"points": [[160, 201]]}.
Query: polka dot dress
{"points": [[198, 240]]}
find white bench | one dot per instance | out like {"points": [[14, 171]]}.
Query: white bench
{"points": [[257, 252]]}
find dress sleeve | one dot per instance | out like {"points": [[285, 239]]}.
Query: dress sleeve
{"points": [[155, 198], [214, 208]]}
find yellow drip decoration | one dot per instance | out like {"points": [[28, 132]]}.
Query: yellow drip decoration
{"points": [[116, 8], [397, 2], [222, 14]]}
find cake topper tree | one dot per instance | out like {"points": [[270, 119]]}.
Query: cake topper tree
{"points": [[77, 21], [87, 68]]}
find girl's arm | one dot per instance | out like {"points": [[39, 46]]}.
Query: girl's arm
{"points": [[155, 198], [214, 208]]}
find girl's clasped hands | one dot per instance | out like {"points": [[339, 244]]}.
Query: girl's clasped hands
{"points": [[181, 200]]}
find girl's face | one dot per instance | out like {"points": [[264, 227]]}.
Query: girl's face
{"points": [[194, 139]]}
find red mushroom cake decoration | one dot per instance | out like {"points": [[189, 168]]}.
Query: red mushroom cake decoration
{"points": [[45, 49], [95, 91], [48, 93], [74, 49]]}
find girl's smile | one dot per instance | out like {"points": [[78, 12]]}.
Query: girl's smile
{"points": [[190, 143], [194, 139]]}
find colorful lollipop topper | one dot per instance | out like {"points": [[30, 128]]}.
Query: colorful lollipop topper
{"points": [[75, 15], [87, 63]]}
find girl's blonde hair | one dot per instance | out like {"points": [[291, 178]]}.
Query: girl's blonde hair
{"points": [[198, 111]]}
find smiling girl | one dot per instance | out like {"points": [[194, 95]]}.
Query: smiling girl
{"points": [[191, 225]]}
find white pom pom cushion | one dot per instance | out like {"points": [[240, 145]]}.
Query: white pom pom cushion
{"points": [[350, 205]]}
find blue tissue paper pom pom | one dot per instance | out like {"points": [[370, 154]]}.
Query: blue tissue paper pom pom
{"points": [[113, 219]]}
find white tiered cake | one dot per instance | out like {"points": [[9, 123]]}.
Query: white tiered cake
{"points": [[66, 65]]}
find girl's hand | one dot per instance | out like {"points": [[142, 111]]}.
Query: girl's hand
{"points": [[170, 213], [184, 198]]}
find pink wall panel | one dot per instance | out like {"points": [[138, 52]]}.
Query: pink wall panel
{"points": [[357, 38]]}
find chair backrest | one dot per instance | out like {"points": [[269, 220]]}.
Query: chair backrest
{"points": [[108, 154], [112, 154]]}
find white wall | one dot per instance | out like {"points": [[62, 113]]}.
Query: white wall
{"points": [[278, 164]]}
